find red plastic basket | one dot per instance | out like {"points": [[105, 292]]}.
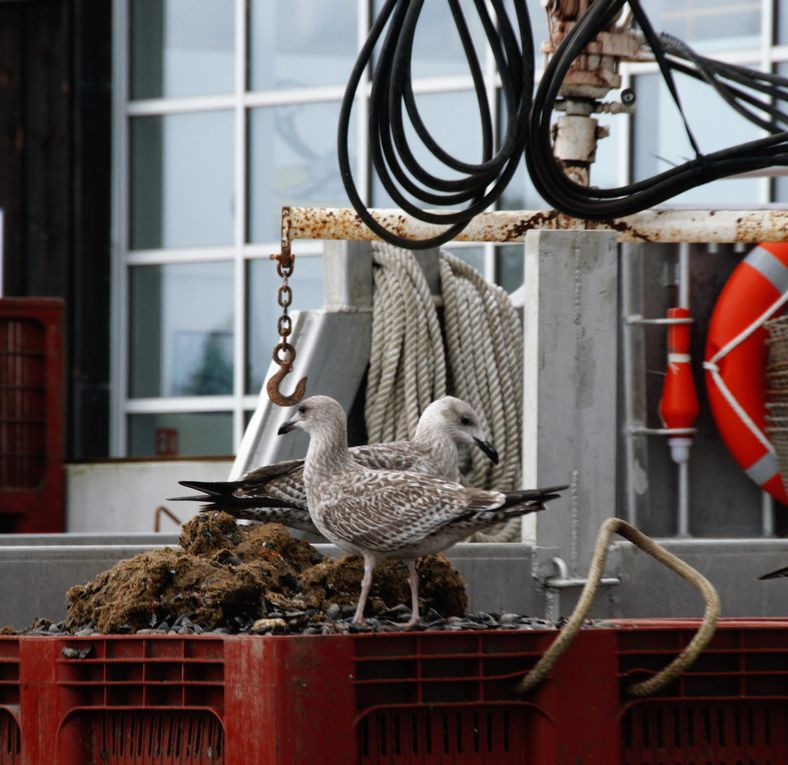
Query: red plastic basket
{"points": [[31, 414], [395, 699], [10, 735], [729, 708]]}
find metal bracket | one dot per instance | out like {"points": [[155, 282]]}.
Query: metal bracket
{"points": [[562, 581]]}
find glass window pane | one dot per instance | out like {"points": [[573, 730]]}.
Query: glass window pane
{"points": [[437, 50], [453, 121], [182, 180], [181, 329], [660, 140], [780, 188], [263, 309], [181, 433], [293, 161], [537, 13], [704, 24], [181, 48], [301, 43], [509, 260], [473, 256]]}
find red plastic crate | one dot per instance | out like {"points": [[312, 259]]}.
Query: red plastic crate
{"points": [[10, 735], [403, 698], [729, 708], [31, 414], [394, 699]]}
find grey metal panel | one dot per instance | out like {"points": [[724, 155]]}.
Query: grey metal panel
{"points": [[34, 579], [569, 400], [78, 540], [333, 352], [732, 566]]}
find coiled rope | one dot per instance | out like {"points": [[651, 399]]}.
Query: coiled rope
{"points": [[483, 344], [407, 368]]}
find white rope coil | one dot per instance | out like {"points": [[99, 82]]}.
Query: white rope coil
{"points": [[408, 370]]}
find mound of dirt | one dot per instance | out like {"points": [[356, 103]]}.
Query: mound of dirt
{"points": [[230, 577]]}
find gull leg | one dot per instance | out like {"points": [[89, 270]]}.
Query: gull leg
{"points": [[413, 579], [366, 583]]}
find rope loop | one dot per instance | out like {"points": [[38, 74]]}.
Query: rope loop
{"points": [[575, 622]]}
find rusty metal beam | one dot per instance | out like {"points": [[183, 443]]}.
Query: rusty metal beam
{"points": [[693, 226]]}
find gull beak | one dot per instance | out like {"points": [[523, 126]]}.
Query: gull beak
{"points": [[286, 428], [488, 449]]}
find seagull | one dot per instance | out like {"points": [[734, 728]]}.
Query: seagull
{"points": [[382, 514], [275, 493]]}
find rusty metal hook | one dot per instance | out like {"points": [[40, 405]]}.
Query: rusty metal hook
{"points": [[285, 368]]}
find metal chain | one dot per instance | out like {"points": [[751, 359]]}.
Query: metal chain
{"points": [[284, 353]]}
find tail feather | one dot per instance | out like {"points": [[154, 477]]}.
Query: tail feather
{"points": [[780, 572], [537, 496], [293, 517], [215, 488], [222, 493]]}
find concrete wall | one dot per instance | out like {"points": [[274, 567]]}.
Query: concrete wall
{"points": [[122, 496]]}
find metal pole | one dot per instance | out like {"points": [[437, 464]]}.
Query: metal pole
{"points": [[655, 225], [629, 396], [767, 514], [683, 519]]}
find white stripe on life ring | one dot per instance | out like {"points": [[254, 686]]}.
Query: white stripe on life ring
{"points": [[764, 469], [770, 267]]}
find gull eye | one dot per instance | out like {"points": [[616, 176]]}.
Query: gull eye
{"points": [[465, 420], [302, 409]]}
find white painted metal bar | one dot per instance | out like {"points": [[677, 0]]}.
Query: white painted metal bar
{"points": [[193, 404], [119, 228], [239, 221], [655, 225], [682, 468]]}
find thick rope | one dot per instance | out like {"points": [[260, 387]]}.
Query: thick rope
{"points": [[575, 622], [484, 346], [484, 342], [407, 368]]}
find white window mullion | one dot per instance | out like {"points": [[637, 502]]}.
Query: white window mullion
{"points": [[239, 376], [362, 106]]}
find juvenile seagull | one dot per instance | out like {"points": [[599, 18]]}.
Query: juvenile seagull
{"points": [[382, 514], [275, 493]]}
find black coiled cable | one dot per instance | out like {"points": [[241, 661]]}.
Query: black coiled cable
{"points": [[479, 184], [594, 203], [754, 95]]}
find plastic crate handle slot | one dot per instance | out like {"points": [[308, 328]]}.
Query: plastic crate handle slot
{"points": [[574, 623]]}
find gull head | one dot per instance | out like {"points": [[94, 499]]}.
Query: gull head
{"points": [[454, 418], [316, 414]]}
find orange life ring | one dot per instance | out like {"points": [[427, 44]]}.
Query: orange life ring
{"points": [[755, 284]]}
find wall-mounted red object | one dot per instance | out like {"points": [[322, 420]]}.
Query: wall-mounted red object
{"points": [[31, 415], [679, 407]]}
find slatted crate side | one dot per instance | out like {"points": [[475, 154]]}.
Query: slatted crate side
{"points": [[31, 413], [10, 735], [729, 707], [123, 699], [443, 697]]}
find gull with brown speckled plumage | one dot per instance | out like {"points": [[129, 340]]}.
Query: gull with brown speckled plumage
{"points": [[381, 514], [275, 493]]}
